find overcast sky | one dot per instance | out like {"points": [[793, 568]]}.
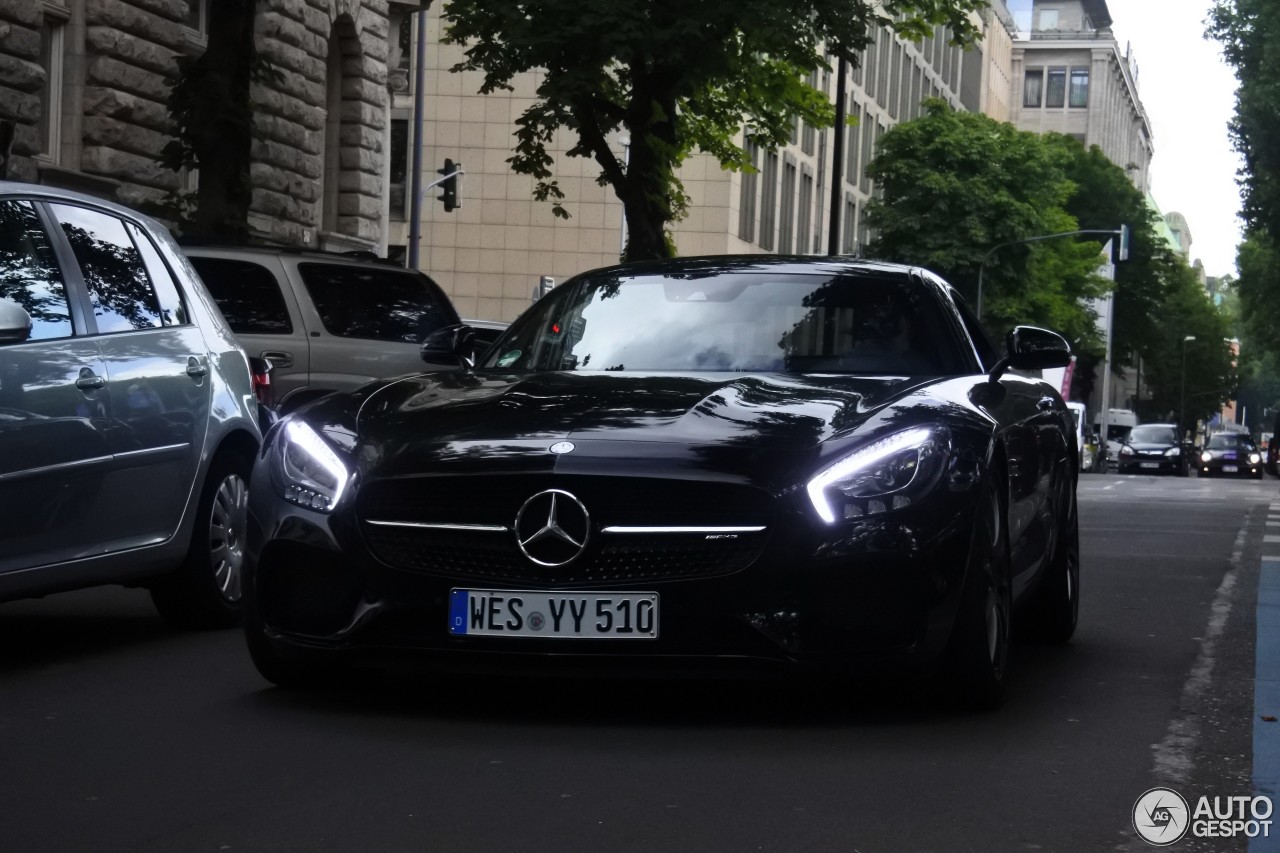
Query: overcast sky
{"points": [[1189, 94]]}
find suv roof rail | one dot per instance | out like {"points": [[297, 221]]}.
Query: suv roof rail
{"points": [[350, 254]]}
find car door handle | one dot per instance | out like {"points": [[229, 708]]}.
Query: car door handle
{"points": [[278, 359], [195, 369], [90, 381], [1045, 404]]}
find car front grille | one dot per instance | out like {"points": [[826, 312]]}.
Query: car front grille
{"points": [[463, 528]]}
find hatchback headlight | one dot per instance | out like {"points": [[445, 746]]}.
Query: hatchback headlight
{"points": [[1255, 458], [1206, 456], [886, 475], [306, 470]]}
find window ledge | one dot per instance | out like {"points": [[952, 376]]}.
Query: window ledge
{"points": [[52, 175]]}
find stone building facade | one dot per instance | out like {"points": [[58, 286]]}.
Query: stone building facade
{"points": [[84, 83]]}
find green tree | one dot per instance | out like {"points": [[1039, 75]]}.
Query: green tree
{"points": [[954, 186], [677, 76]]}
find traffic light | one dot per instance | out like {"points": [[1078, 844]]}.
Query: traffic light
{"points": [[449, 186], [1123, 254]]}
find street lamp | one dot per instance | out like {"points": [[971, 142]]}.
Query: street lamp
{"points": [[1182, 396]]}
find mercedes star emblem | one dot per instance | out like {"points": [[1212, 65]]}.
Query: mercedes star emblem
{"points": [[552, 528], [562, 447]]}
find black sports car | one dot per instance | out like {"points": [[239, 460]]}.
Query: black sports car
{"points": [[778, 463], [1230, 454], [1153, 449]]}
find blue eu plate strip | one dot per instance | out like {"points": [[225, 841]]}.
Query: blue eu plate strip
{"points": [[458, 611]]}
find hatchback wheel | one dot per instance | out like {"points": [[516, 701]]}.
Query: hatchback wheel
{"points": [[205, 591]]}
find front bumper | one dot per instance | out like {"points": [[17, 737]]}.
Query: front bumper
{"points": [[1243, 468], [1150, 465], [869, 596]]}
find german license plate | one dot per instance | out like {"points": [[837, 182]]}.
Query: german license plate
{"points": [[1149, 464], [527, 613], [1231, 469]]}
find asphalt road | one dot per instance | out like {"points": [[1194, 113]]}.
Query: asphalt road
{"points": [[119, 735]]}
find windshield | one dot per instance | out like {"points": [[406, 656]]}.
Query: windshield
{"points": [[736, 322], [1152, 434], [1230, 441]]}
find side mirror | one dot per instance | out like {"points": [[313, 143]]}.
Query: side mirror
{"points": [[450, 345], [15, 323], [1031, 348]]}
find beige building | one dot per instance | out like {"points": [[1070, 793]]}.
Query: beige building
{"points": [[491, 253], [84, 84], [1071, 77]]}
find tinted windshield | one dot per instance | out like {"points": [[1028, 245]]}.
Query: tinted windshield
{"points": [[381, 303], [1229, 441], [1153, 434], [736, 322]]}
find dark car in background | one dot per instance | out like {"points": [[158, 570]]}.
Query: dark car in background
{"points": [[326, 321], [1154, 449], [1272, 461], [1231, 454], [128, 421], [787, 464]]}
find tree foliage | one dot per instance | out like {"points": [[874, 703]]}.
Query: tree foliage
{"points": [[958, 188], [678, 76]]}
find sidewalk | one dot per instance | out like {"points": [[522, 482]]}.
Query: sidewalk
{"points": [[1266, 689]]}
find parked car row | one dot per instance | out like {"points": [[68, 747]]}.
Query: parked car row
{"points": [[796, 464]]}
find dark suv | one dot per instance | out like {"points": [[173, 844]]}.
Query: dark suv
{"points": [[128, 422], [326, 321]]}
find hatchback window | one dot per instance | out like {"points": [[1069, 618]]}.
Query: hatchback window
{"points": [[122, 295], [29, 273], [171, 308], [376, 303], [247, 294]]}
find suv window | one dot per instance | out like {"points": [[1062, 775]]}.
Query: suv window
{"points": [[122, 295], [29, 273], [381, 304], [247, 294]]}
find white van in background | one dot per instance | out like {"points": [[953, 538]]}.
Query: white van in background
{"points": [[1089, 461], [1119, 423]]}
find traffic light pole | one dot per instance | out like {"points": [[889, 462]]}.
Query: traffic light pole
{"points": [[415, 178], [1122, 232]]}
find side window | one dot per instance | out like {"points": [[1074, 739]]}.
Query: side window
{"points": [[374, 302], [247, 294], [29, 273], [982, 343], [122, 296], [171, 309]]}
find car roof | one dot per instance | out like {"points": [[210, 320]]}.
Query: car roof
{"points": [[214, 249], [56, 194], [799, 264]]}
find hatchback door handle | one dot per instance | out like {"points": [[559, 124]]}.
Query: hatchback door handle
{"points": [[90, 381], [278, 359], [195, 369]]}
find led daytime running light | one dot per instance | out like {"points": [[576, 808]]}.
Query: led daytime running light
{"points": [[306, 439], [864, 458]]}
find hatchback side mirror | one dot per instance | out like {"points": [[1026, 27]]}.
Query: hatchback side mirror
{"points": [[450, 345], [1031, 348], [15, 323]]}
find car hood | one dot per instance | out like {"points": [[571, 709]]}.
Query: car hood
{"points": [[419, 423]]}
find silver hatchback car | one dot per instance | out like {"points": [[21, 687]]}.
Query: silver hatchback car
{"points": [[128, 421]]}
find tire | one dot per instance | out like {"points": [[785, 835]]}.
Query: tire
{"points": [[1056, 607], [205, 592], [977, 657]]}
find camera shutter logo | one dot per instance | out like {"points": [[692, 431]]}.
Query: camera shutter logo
{"points": [[1161, 817]]}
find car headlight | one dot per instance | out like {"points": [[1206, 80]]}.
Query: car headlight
{"points": [[1255, 458], [1126, 451], [885, 475], [307, 471], [1173, 451], [1206, 456]]}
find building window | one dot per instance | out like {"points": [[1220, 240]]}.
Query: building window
{"points": [[52, 58], [806, 212], [851, 147], [1033, 88], [1055, 92], [850, 223], [768, 199], [1048, 19], [747, 204], [197, 16], [1079, 94], [787, 214], [399, 168], [868, 146]]}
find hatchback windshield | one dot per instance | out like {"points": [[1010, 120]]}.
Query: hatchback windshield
{"points": [[736, 322], [1153, 434], [1230, 441]]}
